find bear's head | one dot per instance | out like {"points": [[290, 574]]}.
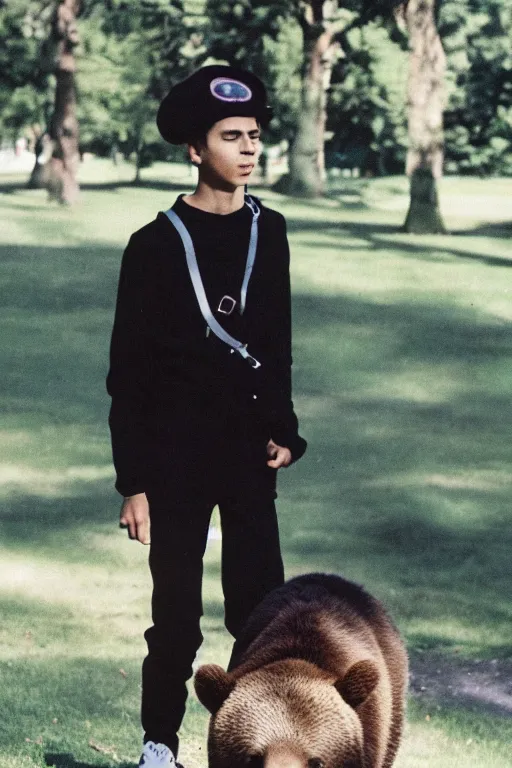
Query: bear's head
{"points": [[288, 714]]}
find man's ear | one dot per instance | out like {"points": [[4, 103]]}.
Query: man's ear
{"points": [[194, 154], [213, 686]]}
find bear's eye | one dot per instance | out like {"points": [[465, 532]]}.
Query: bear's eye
{"points": [[253, 761], [315, 762]]}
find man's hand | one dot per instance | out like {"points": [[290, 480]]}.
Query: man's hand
{"points": [[135, 517], [279, 455]]}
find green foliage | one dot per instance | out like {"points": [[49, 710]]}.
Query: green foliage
{"points": [[365, 108], [476, 36], [283, 59], [22, 107], [115, 107], [21, 32], [367, 97], [366, 104], [266, 38], [23, 77], [132, 51], [235, 32]]}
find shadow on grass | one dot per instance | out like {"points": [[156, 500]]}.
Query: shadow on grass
{"points": [[419, 253], [339, 228], [415, 333], [492, 229], [164, 186], [350, 197], [31, 519], [56, 321], [371, 233], [59, 279], [9, 187], [65, 760], [348, 194], [66, 301], [406, 407], [82, 710]]}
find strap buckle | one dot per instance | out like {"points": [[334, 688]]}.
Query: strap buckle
{"points": [[226, 305], [250, 359], [253, 362]]}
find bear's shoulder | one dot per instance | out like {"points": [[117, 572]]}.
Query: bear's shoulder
{"points": [[304, 617]]}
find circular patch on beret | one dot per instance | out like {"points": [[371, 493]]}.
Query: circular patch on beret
{"points": [[226, 89]]}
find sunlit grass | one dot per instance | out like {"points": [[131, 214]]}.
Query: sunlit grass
{"points": [[440, 736], [402, 381]]}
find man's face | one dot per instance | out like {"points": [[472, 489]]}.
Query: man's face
{"points": [[231, 152]]}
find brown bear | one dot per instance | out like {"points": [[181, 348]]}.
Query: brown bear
{"points": [[317, 679]]}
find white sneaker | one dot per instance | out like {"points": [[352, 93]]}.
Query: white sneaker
{"points": [[157, 756]]}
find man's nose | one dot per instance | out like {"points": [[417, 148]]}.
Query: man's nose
{"points": [[248, 146]]}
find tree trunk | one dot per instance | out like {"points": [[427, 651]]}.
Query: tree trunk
{"points": [[425, 103], [138, 160], [64, 132], [43, 149], [306, 161], [58, 163]]}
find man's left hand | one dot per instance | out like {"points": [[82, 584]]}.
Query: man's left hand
{"points": [[279, 455]]}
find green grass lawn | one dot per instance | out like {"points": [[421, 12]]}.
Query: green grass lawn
{"points": [[402, 382]]}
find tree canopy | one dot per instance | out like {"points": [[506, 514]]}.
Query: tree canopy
{"points": [[132, 51]]}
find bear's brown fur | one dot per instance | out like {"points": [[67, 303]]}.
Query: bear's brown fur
{"points": [[316, 680]]}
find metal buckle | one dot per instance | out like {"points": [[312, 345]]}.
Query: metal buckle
{"points": [[226, 305], [253, 362], [250, 359]]}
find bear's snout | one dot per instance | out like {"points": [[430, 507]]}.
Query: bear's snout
{"points": [[284, 755]]}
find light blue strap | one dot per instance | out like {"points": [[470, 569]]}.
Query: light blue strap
{"points": [[251, 254], [204, 306]]}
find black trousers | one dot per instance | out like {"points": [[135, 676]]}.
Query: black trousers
{"points": [[251, 567]]}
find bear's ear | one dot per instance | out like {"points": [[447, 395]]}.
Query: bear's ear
{"points": [[213, 686], [358, 683]]}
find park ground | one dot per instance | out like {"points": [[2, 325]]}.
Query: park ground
{"points": [[402, 381]]}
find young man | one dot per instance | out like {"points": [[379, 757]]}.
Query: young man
{"points": [[202, 416]]}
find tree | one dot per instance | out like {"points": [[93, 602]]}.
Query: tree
{"points": [[249, 34], [129, 55], [116, 112], [238, 36], [425, 104], [57, 149], [63, 166], [324, 26], [147, 46], [320, 23]]}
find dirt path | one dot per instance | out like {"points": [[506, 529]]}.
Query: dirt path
{"points": [[482, 684]]}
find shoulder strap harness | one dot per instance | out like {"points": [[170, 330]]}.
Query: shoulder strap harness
{"points": [[197, 282]]}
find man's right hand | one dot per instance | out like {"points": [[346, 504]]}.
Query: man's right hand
{"points": [[135, 517]]}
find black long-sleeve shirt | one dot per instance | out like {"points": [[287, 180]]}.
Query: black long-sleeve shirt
{"points": [[164, 365]]}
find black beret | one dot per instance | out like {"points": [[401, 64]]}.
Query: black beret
{"points": [[209, 95]]}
